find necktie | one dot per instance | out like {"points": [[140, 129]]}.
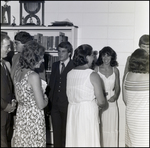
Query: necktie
{"points": [[7, 74], [4, 65], [62, 67]]}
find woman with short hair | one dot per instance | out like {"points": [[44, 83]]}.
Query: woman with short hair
{"points": [[85, 96]]}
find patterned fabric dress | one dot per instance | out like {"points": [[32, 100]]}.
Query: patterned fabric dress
{"points": [[82, 119], [137, 113], [110, 117], [30, 128]]}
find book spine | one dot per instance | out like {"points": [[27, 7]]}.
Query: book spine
{"points": [[56, 41], [50, 43], [44, 42], [39, 38]]}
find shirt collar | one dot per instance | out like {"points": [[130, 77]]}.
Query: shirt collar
{"points": [[65, 62]]}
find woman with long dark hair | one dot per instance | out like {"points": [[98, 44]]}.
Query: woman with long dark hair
{"points": [[108, 71]]}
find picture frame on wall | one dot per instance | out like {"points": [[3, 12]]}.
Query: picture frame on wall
{"points": [[5, 14], [32, 13]]}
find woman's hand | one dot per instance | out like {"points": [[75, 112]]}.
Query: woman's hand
{"points": [[112, 99], [45, 99]]}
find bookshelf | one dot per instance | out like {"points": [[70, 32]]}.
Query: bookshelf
{"points": [[70, 31], [50, 54]]}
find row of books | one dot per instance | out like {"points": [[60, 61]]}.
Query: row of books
{"points": [[50, 42], [49, 60]]}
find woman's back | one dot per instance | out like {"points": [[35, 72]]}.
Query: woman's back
{"points": [[30, 121], [24, 91], [82, 118], [79, 87], [137, 109]]}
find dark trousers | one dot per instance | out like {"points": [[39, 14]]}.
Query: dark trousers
{"points": [[59, 117], [6, 132]]}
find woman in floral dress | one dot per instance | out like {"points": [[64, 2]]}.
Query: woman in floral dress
{"points": [[30, 130]]}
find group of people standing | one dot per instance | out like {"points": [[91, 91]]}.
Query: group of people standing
{"points": [[82, 99]]}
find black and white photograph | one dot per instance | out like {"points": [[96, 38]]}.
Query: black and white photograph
{"points": [[74, 73]]}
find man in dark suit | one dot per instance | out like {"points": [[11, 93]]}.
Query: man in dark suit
{"points": [[57, 96], [6, 93]]}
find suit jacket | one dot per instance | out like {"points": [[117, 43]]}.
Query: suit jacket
{"points": [[58, 84], [6, 93]]}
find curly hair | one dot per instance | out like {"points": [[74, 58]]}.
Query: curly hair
{"points": [[109, 51], [139, 61], [80, 54], [30, 56], [23, 37]]}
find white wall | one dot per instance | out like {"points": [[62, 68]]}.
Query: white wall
{"points": [[118, 24]]}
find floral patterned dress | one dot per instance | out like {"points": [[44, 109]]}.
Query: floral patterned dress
{"points": [[30, 130]]}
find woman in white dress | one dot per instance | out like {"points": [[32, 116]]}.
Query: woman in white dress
{"points": [[85, 95], [108, 71], [136, 99]]}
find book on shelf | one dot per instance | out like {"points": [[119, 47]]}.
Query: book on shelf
{"points": [[44, 42], [56, 42], [50, 42], [65, 39], [38, 37], [50, 59], [61, 36], [47, 42]]}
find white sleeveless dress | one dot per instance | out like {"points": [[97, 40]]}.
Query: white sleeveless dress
{"points": [[110, 117], [82, 129]]}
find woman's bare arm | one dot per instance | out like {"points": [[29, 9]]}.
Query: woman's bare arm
{"points": [[40, 98], [98, 89]]}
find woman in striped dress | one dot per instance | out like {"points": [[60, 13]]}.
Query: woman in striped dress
{"points": [[136, 99]]}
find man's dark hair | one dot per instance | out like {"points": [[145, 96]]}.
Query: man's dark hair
{"points": [[67, 45], [23, 37], [144, 39]]}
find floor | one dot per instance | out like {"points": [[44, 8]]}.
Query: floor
{"points": [[49, 138], [49, 145]]}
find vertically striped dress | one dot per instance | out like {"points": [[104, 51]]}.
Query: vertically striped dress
{"points": [[137, 113], [82, 129]]}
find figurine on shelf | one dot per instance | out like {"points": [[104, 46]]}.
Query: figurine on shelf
{"points": [[31, 20], [38, 22], [4, 19], [14, 24], [23, 20]]}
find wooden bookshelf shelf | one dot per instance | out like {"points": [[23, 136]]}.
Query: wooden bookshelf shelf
{"points": [[51, 55], [70, 31]]}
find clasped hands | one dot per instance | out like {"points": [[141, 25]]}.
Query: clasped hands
{"points": [[112, 99], [11, 106]]}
